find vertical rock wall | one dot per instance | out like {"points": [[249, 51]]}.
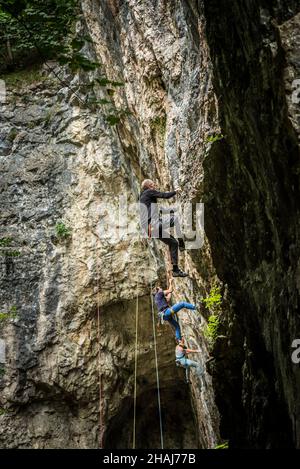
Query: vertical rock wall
{"points": [[62, 162], [209, 87]]}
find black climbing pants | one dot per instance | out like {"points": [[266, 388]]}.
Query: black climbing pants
{"points": [[160, 231], [170, 241]]}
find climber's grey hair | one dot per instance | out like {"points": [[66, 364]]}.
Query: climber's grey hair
{"points": [[146, 183]]}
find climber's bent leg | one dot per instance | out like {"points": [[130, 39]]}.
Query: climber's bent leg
{"points": [[176, 326], [181, 305], [192, 364], [168, 317], [170, 241], [173, 246], [174, 222]]}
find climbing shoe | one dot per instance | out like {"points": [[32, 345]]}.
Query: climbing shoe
{"points": [[179, 273]]}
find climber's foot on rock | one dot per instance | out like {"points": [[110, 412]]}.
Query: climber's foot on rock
{"points": [[209, 360], [179, 273], [181, 244]]}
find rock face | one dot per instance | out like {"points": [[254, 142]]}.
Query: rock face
{"points": [[209, 87], [68, 381]]}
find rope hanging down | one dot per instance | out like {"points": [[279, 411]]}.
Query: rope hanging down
{"points": [[157, 375]]}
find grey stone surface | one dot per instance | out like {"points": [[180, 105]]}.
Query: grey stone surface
{"points": [[59, 162], [191, 70]]}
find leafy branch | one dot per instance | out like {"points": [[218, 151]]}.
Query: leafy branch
{"points": [[213, 302], [47, 30]]}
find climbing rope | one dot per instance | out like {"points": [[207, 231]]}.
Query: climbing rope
{"points": [[153, 326], [156, 367], [135, 369], [157, 375]]}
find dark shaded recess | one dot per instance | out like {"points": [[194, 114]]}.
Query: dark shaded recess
{"points": [[252, 207], [179, 427]]}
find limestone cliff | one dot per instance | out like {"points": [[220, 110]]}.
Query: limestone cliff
{"points": [[61, 161], [207, 85]]}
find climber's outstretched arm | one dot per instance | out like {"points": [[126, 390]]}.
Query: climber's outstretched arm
{"points": [[188, 350], [170, 287], [162, 195]]}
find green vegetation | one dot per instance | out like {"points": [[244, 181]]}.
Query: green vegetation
{"points": [[159, 123], [6, 243], [3, 411], [212, 328], [222, 446], [213, 303], [11, 314], [62, 231], [32, 32], [12, 134], [2, 370], [214, 138], [11, 253], [214, 299], [31, 28], [115, 116], [20, 78]]}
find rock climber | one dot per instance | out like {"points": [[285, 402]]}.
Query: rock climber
{"points": [[181, 352], [166, 312], [154, 226]]}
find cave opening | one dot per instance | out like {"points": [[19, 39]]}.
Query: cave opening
{"points": [[178, 421]]}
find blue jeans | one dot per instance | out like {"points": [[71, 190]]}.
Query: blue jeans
{"points": [[168, 316], [187, 364]]}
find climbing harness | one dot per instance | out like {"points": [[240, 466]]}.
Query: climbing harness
{"points": [[179, 363]]}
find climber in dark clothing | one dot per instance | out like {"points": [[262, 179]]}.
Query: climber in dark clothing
{"points": [[162, 299], [152, 224]]}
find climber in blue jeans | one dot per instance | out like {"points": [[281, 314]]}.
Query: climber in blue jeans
{"points": [[181, 353], [166, 312]]}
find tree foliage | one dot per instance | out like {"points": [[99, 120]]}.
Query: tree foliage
{"points": [[35, 30], [29, 28]]}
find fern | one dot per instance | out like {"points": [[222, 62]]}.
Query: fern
{"points": [[62, 231]]}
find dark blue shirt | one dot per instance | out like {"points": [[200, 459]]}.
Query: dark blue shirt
{"points": [[160, 300]]}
